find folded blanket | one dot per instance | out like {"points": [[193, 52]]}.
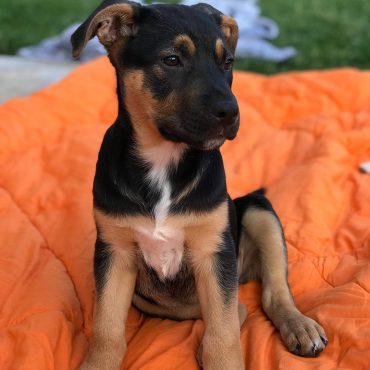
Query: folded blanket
{"points": [[303, 136]]}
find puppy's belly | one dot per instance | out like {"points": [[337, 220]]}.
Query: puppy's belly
{"points": [[162, 248]]}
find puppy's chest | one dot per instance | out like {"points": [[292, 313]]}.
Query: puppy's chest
{"points": [[162, 248], [160, 241]]}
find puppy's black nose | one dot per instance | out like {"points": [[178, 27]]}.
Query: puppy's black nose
{"points": [[226, 112]]}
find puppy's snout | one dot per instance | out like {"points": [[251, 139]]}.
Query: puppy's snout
{"points": [[226, 112], [227, 118]]}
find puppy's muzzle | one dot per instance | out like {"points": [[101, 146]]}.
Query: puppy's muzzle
{"points": [[226, 114]]}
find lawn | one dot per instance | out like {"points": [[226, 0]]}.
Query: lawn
{"points": [[327, 33]]}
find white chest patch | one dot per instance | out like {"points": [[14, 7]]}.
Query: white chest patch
{"points": [[162, 246]]}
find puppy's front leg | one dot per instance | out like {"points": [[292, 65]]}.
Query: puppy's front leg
{"points": [[115, 274], [214, 264]]}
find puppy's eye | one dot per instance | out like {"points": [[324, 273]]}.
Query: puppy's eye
{"points": [[228, 64], [172, 61]]}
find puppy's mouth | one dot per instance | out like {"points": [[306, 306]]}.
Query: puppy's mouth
{"points": [[214, 141], [208, 144]]}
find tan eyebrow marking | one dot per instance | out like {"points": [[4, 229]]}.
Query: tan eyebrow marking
{"points": [[230, 30], [219, 49], [158, 71], [186, 42]]}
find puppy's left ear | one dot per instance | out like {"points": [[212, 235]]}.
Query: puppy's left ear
{"points": [[112, 21], [228, 25]]}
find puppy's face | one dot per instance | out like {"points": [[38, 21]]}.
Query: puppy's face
{"points": [[175, 65]]}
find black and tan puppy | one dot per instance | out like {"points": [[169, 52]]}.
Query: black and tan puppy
{"points": [[170, 241]]}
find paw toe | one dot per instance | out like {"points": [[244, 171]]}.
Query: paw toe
{"points": [[303, 336], [324, 340]]}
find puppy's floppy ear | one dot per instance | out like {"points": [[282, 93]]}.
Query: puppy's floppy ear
{"points": [[228, 25], [112, 20]]}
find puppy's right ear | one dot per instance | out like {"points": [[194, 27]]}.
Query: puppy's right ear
{"points": [[228, 25], [112, 21]]}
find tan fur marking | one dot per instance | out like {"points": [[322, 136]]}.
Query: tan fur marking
{"points": [[108, 346], [262, 245], [109, 25], [186, 42], [262, 238], [265, 232], [212, 224], [221, 342], [205, 229], [142, 108], [219, 49], [111, 233], [266, 250], [205, 236], [158, 71], [230, 30]]}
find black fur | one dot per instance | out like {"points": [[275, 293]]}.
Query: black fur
{"points": [[203, 86], [226, 267], [256, 199], [102, 261], [187, 84]]}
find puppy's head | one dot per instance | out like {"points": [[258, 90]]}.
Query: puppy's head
{"points": [[174, 67]]}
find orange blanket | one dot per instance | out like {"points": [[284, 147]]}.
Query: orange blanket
{"points": [[303, 137]]}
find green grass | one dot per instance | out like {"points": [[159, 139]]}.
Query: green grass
{"points": [[327, 33], [27, 22]]}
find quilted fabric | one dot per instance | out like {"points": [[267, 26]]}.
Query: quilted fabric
{"points": [[303, 136]]}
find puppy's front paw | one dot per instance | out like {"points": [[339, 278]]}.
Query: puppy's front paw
{"points": [[303, 336]]}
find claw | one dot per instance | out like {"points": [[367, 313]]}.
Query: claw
{"points": [[297, 349], [324, 340], [314, 349]]}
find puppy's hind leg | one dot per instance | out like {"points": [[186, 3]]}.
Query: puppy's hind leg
{"points": [[262, 254]]}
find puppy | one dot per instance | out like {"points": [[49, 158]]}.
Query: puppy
{"points": [[170, 240]]}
